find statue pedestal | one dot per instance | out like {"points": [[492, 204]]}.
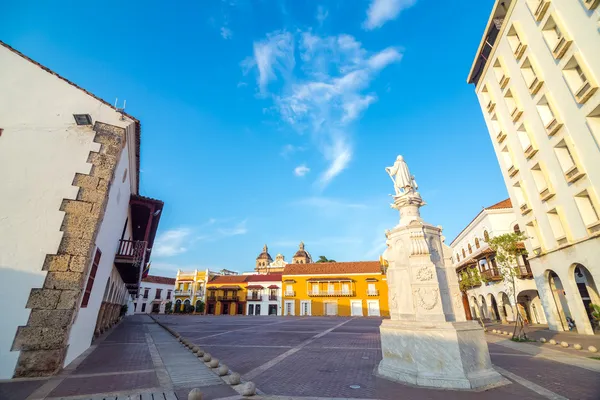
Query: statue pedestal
{"points": [[428, 341], [438, 354]]}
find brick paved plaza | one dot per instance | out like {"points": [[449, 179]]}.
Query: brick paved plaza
{"points": [[288, 356]]}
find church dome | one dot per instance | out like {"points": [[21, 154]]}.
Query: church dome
{"points": [[265, 254]]}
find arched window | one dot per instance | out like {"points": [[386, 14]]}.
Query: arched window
{"points": [[457, 257], [470, 249], [517, 229], [463, 253], [476, 243], [486, 236]]}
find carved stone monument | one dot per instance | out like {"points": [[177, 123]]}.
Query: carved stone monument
{"points": [[427, 341]]}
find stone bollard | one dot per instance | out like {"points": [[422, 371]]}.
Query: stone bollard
{"points": [[592, 349], [222, 370], [206, 357], [494, 331], [248, 389], [552, 341], [200, 353], [564, 344], [506, 333], [543, 340], [235, 378], [214, 363], [195, 349], [577, 346], [195, 394]]}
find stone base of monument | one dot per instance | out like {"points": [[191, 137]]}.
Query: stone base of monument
{"points": [[452, 355]]}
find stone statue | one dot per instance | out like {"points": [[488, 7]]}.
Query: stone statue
{"points": [[404, 182]]}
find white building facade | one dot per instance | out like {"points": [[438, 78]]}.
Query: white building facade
{"points": [[69, 252], [264, 295], [494, 299], [155, 292], [536, 75]]}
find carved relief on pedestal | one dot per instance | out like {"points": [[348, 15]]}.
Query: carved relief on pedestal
{"points": [[457, 300], [426, 298], [418, 243], [424, 274]]}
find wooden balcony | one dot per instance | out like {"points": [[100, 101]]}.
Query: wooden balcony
{"points": [[228, 298], [211, 298], [331, 293], [524, 271], [372, 293], [129, 250], [183, 292], [289, 293], [272, 297], [253, 297], [491, 275]]}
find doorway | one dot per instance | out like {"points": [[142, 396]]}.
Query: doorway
{"points": [[225, 308], [305, 307], [272, 309], [330, 308], [155, 308], [289, 307], [356, 308], [257, 309], [210, 308], [251, 309], [373, 308]]}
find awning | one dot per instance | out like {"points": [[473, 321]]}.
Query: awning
{"points": [[289, 281], [232, 287], [371, 280], [273, 287], [329, 279], [255, 287]]}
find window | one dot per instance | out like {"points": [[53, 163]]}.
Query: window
{"points": [[486, 236], [146, 291], [591, 4], [538, 8], [588, 212], [555, 37], [330, 288], [158, 293], [289, 291], [557, 226], [168, 295], [470, 249], [513, 106], [82, 119], [371, 291], [548, 116], [532, 79], [488, 102], [516, 228], [143, 307], [541, 184], [578, 80], [514, 40], [346, 288], [525, 140], [500, 73], [91, 277], [476, 243], [593, 120], [521, 199], [124, 175], [508, 162], [532, 234], [463, 253], [497, 129], [457, 257], [315, 288], [567, 162]]}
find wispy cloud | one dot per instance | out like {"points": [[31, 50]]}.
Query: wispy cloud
{"points": [[326, 94], [226, 33], [301, 170], [172, 242], [322, 14], [382, 11], [290, 149], [238, 229]]}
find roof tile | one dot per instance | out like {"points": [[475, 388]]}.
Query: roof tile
{"points": [[353, 267]]}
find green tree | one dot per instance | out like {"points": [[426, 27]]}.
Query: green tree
{"points": [[200, 307], [508, 250], [470, 278], [323, 259], [168, 307]]}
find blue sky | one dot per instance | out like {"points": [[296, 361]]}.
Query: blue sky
{"points": [[272, 121]]}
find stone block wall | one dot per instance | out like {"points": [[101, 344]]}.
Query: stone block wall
{"points": [[43, 340]]}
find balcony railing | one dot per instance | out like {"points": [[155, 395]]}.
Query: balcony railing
{"points": [[331, 293], [211, 298], [289, 293], [254, 297], [524, 271], [131, 249], [199, 293], [272, 297], [372, 292], [228, 298], [492, 275], [183, 292]]}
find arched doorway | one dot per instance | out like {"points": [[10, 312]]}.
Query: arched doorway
{"points": [[483, 310], [530, 306], [199, 308], [474, 308], [495, 313], [557, 290], [505, 306], [588, 294], [177, 306], [186, 305]]}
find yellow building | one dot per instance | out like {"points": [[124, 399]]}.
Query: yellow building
{"points": [[190, 288], [337, 288], [227, 295]]}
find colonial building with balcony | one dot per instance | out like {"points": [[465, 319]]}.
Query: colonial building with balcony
{"points": [[263, 294], [226, 295], [75, 233], [155, 293], [190, 288], [490, 297], [536, 75], [335, 288]]}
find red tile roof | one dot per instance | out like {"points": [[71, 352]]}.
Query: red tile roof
{"points": [[338, 268], [159, 279], [264, 278], [502, 204], [229, 279]]}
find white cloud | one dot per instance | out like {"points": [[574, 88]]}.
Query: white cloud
{"points": [[382, 11], [329, 93], [301, 170], [226, 33], [238, 229], [322, 14], [172, 242]]}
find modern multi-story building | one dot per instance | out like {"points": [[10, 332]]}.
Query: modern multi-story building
{"points": [[190, 288], [155, 293], [264, 294], [491, 296], [75, 234], [226, 295], [336, 288], [536, 74]]}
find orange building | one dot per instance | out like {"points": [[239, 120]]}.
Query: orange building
{"points": [[226, 295]]}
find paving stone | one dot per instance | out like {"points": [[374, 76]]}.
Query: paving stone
{"points": [[19, 390], [105, 384]]}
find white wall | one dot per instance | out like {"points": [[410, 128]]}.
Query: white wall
{"points": [[41, 149], [139, 301], [265, 302]]}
